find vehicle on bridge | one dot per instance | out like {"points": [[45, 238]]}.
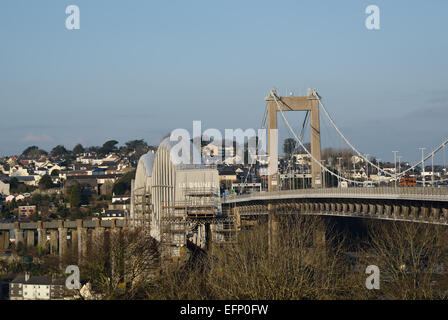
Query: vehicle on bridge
{"points": [[408, 181]]}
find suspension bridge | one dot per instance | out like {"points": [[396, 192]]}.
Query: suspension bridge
{"points": [[181, 203]]}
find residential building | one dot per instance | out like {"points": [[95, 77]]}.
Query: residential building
{"points": [[27, 287]]}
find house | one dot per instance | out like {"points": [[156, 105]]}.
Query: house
{"points": [[113, 215], [26, 211], [27, 287], [4, 188]]}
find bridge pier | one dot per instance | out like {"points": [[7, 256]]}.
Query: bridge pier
{"points": [[387, 210], [18, 233], [41, 235], [365, 208], [424, 212], [414, 212], [435, 213], [4, 240], [379, 209], [30, 238], [82, 239], [53, 241], [62, 236], [372, 209], [444, 214], [405, 211], [396, 212]]}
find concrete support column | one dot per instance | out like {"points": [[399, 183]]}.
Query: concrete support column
{"points": [[424, 212], [365, 208], [396, 210], [405, 210], [53, 241], [81, 233], [74, 239], [387, 209], [62, 236], [99, 231], [379, 209], [351, 207], [333, 207], [4, 240], [41, 235], [338, 207], [18, 233], [435, 214], [444, 214], [372, 209], [357, 208], [30, 238], [344, 208], [414, 212]]}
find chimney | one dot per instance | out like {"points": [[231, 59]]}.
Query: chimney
{"points": [[27, 276]]}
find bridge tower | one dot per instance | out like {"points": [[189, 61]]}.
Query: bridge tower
{"points": [[293, 103]]}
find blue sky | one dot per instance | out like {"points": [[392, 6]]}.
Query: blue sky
{"points": [[138, 69]]}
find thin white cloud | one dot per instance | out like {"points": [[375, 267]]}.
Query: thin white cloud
{"points": [[37, 138]]}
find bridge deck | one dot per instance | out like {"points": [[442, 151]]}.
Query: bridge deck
{"points": [[386, 193]]}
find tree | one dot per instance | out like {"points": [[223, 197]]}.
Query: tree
{"points": [[411, 257], [129, 257], [13, 183], [55, 173], [135, 148], [59, 151], [108, 147], [78, 149], [33, 151], [289, 146], [45, 182], [75, 196], [123, 185]]}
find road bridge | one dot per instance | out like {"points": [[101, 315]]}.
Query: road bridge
{"points": [[416, 204]]}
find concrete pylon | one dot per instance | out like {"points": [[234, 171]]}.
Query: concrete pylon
{"points": [[53, 241], [4, 240], [18, 233], [82, 239], [62, 236], [41, 235], [30, 238], [306, 103]]}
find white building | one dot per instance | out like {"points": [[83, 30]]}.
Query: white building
{"points": [[26, 287], [4, 188]]}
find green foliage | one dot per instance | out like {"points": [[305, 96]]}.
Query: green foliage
{"points": [[288, 146], [13, 183], [75, 196], [45, 182], [123, 185], [59, 151], [78, 149], [108, 147], [33, 151]]}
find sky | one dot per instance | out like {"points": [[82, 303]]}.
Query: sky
{"points": [[139, 69]]}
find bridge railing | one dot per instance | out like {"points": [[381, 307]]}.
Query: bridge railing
{"points": [[360, 191]]}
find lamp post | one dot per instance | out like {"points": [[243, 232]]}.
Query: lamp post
{"points": [[423, 166], [339, 179], [395, 162]]}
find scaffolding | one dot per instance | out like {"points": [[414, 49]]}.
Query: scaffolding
{"points": [[142, 209]]}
